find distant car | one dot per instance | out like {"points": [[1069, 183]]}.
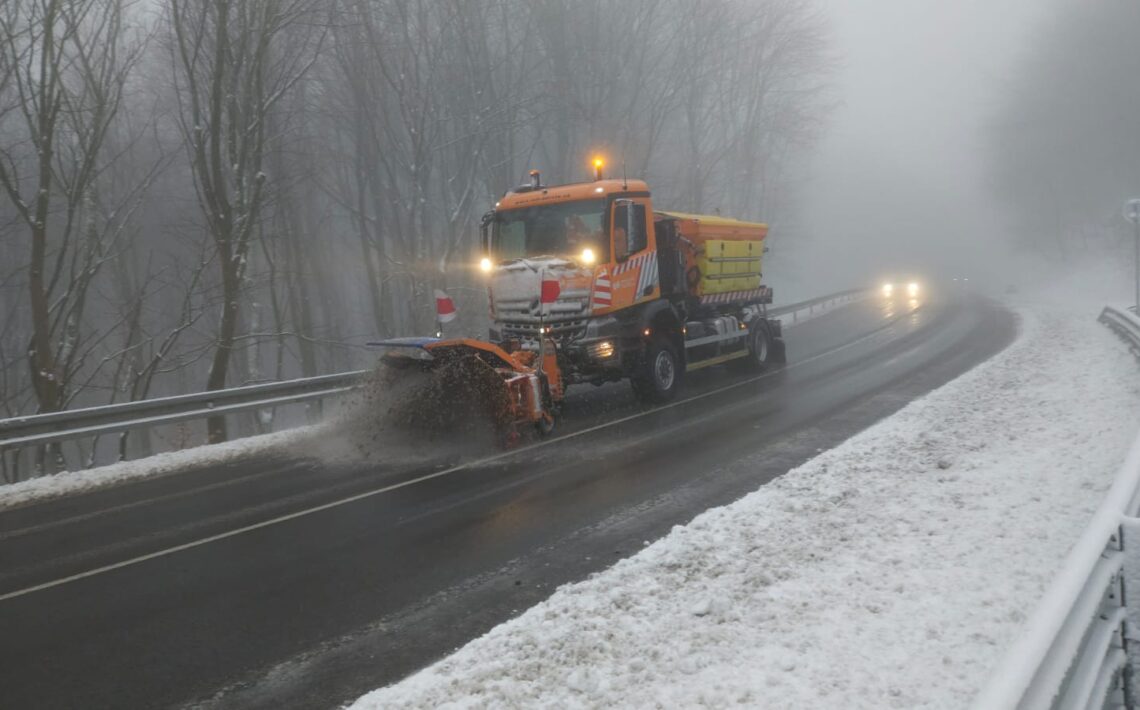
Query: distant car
{"points": [[907, 287]]}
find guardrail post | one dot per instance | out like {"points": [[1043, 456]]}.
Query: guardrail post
{"points": [[1126, 673]]}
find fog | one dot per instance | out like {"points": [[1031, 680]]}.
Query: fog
{"points": [[900, 182], [155, 243]]}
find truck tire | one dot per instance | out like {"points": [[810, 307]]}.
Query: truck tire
{"points": [[658, 377], [763, 350]]}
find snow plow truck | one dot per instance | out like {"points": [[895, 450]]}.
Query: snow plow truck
{"points": [[638, 294], [587, 283]]}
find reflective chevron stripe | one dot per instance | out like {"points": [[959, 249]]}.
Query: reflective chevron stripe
{"points": [[603, 292], [648, 276], [634, 262], [763, 294], [646, 262]]}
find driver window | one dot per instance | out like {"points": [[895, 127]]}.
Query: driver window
{"points": [[625, 244], [639, 240]]}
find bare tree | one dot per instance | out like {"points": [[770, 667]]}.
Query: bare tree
{"points": [[231, 68], [283, 197], [65, 64]]}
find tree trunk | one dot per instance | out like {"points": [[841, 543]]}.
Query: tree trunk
{"points": [[227, 330]]}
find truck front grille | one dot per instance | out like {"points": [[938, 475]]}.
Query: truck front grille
{"points": [[562, 332]]}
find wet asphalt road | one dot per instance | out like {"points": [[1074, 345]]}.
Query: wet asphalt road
{"points": [[297, 580]]}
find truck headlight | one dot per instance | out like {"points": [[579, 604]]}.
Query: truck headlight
{"points": [[888, 289], [912, 289], [485, 264], [588, 256], [603, 350]]}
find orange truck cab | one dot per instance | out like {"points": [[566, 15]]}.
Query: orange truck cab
{"points": [[643, 295]]}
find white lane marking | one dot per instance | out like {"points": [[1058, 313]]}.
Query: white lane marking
{"points": [[161, 498], [437, 474], [239, 480]]}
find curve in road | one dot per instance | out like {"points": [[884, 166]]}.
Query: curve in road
{"points": [[300, 580]]}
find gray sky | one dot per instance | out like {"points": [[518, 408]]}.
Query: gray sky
{"points": [[898, 183]]}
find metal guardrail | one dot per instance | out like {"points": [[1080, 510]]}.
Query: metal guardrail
{"points": [[1126, 324], [1073, 650], [810, 305], [78, 423]]}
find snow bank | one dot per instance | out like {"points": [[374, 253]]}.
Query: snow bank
{"points": [[360, 429], [891, 571], [163, 464], [359, 433]]}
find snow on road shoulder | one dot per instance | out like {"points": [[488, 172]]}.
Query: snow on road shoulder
{"points": [[70, 482], [891, 571]]}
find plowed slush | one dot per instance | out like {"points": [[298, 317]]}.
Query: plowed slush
{"points": [[410, 412]]}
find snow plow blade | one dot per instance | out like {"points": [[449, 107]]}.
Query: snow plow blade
{"points": [[465, 388]]}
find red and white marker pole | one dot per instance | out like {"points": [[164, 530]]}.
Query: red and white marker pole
{"points": [[444, 310]]}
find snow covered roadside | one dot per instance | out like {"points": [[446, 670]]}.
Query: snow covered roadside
{"points": [[162, 464], [891, 571], [166, 463]]}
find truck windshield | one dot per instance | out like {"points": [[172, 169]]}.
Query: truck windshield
{"points": [[563, 229]]}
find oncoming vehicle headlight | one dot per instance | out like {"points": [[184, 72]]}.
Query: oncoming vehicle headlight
{"points": [[912, 289], [888, 289], [485, 264], [588, 256]]}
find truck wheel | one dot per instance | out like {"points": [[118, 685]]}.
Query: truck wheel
{"points": [[659, 376], [761, 350]]}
